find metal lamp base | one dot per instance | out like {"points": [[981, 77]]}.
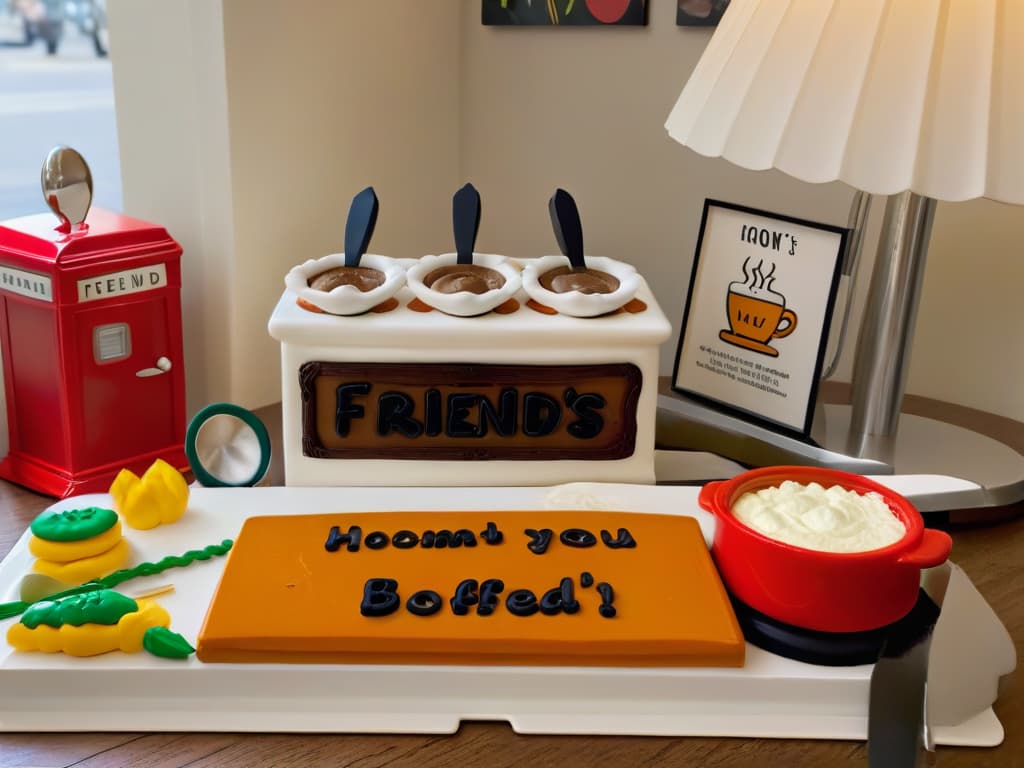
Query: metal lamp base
{"points": [[921, 446]]}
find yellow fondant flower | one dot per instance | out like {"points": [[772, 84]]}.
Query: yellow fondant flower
{"points": [[159, 496]]}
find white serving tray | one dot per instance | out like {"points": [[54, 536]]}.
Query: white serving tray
{"points": [[769, 697]]}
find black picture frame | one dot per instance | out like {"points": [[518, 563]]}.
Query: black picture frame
{"points": [[748, 384], [700, 13], [564, 13]]}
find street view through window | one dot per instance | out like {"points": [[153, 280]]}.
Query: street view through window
{"points": [[55, 88]]}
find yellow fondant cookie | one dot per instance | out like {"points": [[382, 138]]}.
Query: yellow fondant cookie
{"points": [[91, 639], [159, 496], [87, 568], [67, 551]]}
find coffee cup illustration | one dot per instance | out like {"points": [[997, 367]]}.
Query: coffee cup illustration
{"points": [[756, 313]]}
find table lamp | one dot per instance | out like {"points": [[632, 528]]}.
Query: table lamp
{"points": [[919, 100]]}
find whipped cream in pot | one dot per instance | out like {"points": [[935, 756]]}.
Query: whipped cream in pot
{"points": [[813, 517]]}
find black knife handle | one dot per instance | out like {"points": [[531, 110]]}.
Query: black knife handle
{"points": [[565, 219], [362, 218], [466, 222]]}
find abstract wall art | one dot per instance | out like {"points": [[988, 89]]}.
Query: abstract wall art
{"points": [[574, 13]]}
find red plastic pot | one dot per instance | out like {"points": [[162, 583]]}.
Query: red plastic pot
{"points": [[826, 591]]}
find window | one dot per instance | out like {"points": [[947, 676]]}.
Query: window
{"points": [[111, 342], [56, 87]]}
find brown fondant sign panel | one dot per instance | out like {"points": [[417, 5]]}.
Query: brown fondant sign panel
{"points": [[469, 411]]}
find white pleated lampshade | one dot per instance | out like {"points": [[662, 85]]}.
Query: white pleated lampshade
{"points": [[885, 95]]}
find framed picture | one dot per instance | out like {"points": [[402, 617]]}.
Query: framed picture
{"points": [[757, 314], [564, 12], [700, 13]]}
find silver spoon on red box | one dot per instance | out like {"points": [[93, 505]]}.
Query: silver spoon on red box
{"points": [[67, 187]]}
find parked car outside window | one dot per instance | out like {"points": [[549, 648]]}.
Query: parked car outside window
{"points": [[23, 22]]}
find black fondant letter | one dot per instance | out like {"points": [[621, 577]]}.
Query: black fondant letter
{"points": [[489, 592], [541, 414], [445, 538], [577, 537], [504, 419], [336, 538], [346, 410], [426, 602], [394, 414], [624, 540], [539, 540], [432, 412], [380, 597], [458, 409], [590, 422], [491, 534], [405, 539], [521, 602], [607, 610], [559, 599], [465, 596]]}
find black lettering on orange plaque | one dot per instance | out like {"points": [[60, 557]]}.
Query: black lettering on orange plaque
{"points": [[469, 412]]}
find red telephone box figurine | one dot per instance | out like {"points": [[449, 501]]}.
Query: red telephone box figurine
{"points": [[90, 333]]}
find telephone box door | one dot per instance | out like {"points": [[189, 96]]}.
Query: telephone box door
{"points": [[129, 368]]}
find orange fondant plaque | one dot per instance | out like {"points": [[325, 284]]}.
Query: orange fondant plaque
{"points": [[446, 588]]}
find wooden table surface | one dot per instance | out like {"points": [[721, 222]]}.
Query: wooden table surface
{"points": [[991, 553]]}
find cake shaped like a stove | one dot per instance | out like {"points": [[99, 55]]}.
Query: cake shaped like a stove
{"points": [[464, 379]]}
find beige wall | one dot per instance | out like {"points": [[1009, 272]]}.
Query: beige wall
{"points": [[170, 97], [247, 126], [969, 347], [324, 99], [269, 115], [585, 109]]}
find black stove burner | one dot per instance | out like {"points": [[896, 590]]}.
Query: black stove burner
{"points": [[832, 649]]}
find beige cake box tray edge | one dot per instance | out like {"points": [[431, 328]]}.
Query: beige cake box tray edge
{"points": [[769, 697]]}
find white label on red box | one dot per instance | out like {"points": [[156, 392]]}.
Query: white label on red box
{"points": [[125, 281], [29, 284]]}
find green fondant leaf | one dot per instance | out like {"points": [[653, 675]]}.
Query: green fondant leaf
{"points": [[166, 644], [73, 524]]}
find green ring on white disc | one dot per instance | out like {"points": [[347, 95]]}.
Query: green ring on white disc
{"points": [[227, 446]]}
